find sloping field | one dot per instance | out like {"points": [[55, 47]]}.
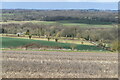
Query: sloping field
{"points": [[49, 64], [16, 42]]}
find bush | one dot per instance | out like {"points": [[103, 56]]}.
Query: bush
{"points": [[73, 46], [30, 36], [115, 45]]}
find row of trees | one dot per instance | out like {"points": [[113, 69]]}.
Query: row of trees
{"points": [[56, 31]]}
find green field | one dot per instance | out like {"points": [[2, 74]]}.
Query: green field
{"points": [[15, 42], [65, 23]]}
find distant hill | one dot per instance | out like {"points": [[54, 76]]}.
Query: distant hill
{"points": [[74, 15]]}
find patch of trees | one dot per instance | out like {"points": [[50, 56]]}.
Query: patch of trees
{"points": [[56, 31], [78, 16]]}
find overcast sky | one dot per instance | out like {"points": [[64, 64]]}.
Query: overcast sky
{"points": [[60, 0]]}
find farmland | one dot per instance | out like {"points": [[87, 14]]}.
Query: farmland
{"points": [[64, 23], [54, 64], [11, 43], [67, 33], [59, 43], [61, 40]]}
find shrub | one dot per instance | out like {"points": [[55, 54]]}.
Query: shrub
{"points": [[73, 46], [115, 45]]}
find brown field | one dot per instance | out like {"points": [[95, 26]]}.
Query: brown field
{"points": [[51, 64]]}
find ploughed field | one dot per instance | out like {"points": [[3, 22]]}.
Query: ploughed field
{"points": [[51, 64]]}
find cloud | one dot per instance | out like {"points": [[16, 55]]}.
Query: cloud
{"points": [[60, 0]]}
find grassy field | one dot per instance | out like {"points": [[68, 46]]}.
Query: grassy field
{"points": [[62, 39], [16, 42], [65, 23]]}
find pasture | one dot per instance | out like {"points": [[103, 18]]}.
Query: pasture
{"points": [[17, 42], [61, 40], [65, 23]]}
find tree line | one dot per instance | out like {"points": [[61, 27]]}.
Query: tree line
{"points": [[58, 31], [78, 16]]}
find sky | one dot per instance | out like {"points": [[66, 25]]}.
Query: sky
{"points": [[60, 0], [60, 5]]}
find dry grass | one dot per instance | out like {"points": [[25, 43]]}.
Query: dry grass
{"points": [[50, 64]]}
